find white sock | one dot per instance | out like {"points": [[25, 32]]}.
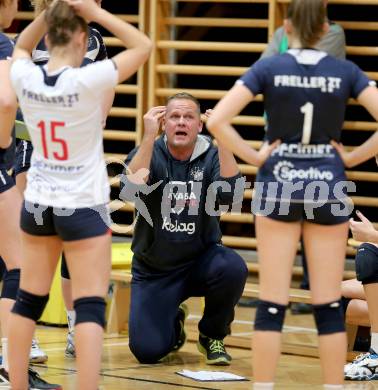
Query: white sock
{"points": [[71, 318], [374, 342], [4, 346], [263, 386], [333, 387]]}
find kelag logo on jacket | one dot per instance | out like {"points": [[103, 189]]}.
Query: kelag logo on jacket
{"points": [[180, 196]]}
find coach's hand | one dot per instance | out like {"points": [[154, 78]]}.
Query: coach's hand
{"points": [[152, 120]]}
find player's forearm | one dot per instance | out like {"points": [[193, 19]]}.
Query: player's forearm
{"points": [[32, 34], [142, 158], [364, 152], [130, 36], [227, 162], [8, 107]]}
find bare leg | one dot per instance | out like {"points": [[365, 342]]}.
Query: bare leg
{"points": [[89, 264], [352, 288], [10, 250], [325, 249], [275, 268], [371, 291], [21, 182], [41, 255], [67, 293]]}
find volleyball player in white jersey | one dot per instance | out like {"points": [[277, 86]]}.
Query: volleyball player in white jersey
{"points": [[305, 94], [96, 51], [10, 199], [67, 188]]}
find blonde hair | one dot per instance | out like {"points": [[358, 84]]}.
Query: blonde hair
{"points": [[40, 5], [307, 18], [62, 22]]}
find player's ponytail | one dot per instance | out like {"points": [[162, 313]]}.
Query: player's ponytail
{"points": [[307, 18], [62, 22]]}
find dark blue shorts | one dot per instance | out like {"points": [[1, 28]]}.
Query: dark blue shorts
{"points": [[6, 180], [23, 156], [303, 183], [68, 224]]}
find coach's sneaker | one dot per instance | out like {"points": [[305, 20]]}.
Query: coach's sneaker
{"points": [[37, 383], [183, 313], [214, 351], [363, 368], [37, 355], [70, 351]]}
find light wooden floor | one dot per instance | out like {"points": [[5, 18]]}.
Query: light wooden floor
{"points": [[121, 371]]}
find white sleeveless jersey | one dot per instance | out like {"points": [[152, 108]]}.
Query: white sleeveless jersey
{"points": [[63, 113]]}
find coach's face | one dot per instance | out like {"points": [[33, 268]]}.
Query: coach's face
{"points": [[182, 123]]}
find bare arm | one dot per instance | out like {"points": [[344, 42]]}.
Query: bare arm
{"points": [[219, 124], [227, 162], [369, 99], [8, 105], [107, 104], [137, 44], [142, 158], [30, 37], [363, 230]]}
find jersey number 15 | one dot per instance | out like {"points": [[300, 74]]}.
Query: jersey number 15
{"points": [[49, 139]]}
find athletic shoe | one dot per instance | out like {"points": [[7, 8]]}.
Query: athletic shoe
{"points": [[35, 381], [356, 360], [37, 355], [214, 351], [183, 313], [363, 368], [70, 351], [4, 379]]}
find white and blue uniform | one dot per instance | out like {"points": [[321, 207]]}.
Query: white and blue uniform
{"points": [[305, 96], [6, 155], [67, 166], [96, 51]]}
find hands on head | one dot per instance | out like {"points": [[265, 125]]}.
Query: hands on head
{"points": [[87, 9]]}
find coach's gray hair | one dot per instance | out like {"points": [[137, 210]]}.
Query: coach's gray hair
{"points": [[185, 96]]}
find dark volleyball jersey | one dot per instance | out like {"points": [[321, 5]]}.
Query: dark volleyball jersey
{"points": [[305, 94], [96, 50], [6, 50]]}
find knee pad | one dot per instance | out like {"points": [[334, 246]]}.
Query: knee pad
{"points": [[269, 316], [11, 282], [29, 305], [367, 263], [90, 309], [64, 273], [329, 317]]}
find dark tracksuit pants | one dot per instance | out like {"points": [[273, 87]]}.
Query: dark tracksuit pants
{"points": [[219, 275]]}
